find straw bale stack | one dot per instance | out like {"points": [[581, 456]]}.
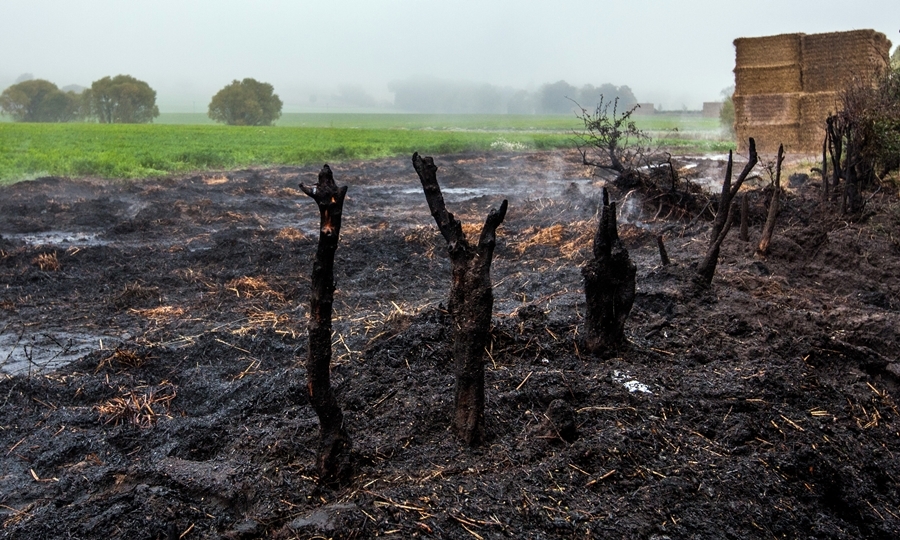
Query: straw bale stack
{"points": [[787, 85]]}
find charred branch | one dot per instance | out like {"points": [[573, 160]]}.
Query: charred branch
{"points": [[609, 284], [763, 248], [663, 255], [333, 459], [745, 218], [471, 301], [722, 224]]}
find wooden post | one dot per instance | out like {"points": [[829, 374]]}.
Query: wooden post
{"points": [[609, 284], [333, 459], [471, 301]]}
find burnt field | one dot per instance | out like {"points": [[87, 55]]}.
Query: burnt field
{"points": [[153, 336]]}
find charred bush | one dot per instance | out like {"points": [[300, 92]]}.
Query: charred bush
{"points": [[862, 140], [611, 141]]}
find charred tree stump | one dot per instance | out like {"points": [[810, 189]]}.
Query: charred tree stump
{"points": [[722, 224], [333, 459], [609, 285], [763, 248], [471, 302]]}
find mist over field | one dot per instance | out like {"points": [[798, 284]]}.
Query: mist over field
{"points": [[351, 55]]}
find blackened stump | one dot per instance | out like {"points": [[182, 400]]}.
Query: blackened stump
{"points": [[471, 302], [333, 460], [609, 285]]}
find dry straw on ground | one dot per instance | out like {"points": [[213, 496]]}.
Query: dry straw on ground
{"points": [[140, 406]]}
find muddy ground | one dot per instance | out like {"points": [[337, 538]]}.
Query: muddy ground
{"points": [[152, 338]]}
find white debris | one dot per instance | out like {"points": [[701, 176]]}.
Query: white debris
{"points": [[632, 385]]}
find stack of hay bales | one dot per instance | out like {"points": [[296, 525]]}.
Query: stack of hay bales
{"points": [[787, 85]]}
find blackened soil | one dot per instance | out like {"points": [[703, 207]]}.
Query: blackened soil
{"points": [[173, 311]]}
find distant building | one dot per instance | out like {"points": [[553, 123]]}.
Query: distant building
{"points": [[787, 85], [645, 109], [711, 109]]}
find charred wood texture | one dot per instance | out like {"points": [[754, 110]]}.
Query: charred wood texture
{"points": [[471, 302], [825, 187], [763, 248], [333, 459], [609, 284], [722, 224], [745, 218]]}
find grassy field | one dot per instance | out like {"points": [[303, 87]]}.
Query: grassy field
{"points": [[185, 142]]}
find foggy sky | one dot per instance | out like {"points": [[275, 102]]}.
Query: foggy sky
{"points": [[672, 53]]}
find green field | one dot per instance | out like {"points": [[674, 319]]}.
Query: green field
{"points": [[180, 143]]}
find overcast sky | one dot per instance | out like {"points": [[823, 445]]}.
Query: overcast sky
{"points": [[672, 53]]}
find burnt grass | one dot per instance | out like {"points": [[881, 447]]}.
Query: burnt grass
{"points": [[769, 409]]}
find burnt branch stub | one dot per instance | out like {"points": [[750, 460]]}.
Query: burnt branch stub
{"points": [[763, 249], [724, 217], [470, 304], [333, 461]]}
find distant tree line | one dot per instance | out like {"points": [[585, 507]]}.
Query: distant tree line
{"points": [[439, 96], [125, 100], [111, 100]]}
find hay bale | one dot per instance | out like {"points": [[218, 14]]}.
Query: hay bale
{"points": [[769, 136], [767, 109], [814, 109], [830, 60], [768, 51], [767, 80]]}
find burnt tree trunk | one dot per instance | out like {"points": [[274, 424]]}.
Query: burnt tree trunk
{"points": [[333, 459], [763, 248], [609, 284], [471, 302], [722, 224]]}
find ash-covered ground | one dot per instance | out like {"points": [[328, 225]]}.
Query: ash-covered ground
{"points": [[152, 339]]}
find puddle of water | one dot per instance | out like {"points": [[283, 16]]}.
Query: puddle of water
{"points": [[23, 354], [59, 238]]}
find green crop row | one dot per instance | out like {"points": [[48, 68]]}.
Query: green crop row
{"points": [[147, 150]]}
